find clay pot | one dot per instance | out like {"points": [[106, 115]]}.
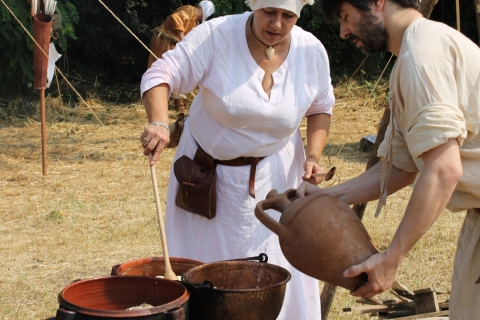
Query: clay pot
{"points": [[110, 297], [154, 266], [320, 235]]}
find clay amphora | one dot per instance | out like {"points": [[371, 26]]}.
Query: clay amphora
{"points": [[320, 235]]}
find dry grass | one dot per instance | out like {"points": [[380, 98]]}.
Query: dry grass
{"points": [[95, 207]]}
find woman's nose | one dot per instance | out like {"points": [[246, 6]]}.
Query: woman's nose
{"points": [[277, 21]]}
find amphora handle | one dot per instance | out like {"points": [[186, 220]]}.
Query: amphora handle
{"points": [[276, 201]]}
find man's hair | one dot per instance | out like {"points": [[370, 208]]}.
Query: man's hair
{"points": [[329, 8]]}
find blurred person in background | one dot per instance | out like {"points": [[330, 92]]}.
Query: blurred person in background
{"points": [[173, 29], [259, 75]]}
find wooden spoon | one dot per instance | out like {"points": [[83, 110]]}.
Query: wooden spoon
{"points": [[329, 175], [169, 274]]}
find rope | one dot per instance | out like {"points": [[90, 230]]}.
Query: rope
{"points": [[133, 34], [378, 80], [60, 72], [361, 64]]}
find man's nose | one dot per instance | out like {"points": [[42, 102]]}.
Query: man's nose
{"points": [[344, 30]]}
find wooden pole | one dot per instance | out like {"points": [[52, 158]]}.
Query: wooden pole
{"points": [[477, 13], [457, 8], [44, 131], [426, 7], [42, 26]]}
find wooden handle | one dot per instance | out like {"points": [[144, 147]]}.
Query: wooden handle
{"points": [[329, 175], [169, 274]]}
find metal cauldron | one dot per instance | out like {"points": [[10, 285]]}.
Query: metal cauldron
{"points": [[110, 297], [154, 266], [237, 289]]}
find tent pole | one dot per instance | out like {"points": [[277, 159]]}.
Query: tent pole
{"points": [[477, 13], [44, 131], [457, 5]]}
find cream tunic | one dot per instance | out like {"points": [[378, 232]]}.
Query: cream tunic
{"points": [[436, 96], [230, 117]]}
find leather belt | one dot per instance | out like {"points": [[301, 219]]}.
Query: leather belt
{"points": [[244, 161], [202, 157]]}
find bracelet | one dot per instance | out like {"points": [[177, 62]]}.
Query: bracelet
{"points": [[159, 124]]}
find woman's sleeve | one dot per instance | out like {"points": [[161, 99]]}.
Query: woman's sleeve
{"points": [[183, 67], [325, 99]]}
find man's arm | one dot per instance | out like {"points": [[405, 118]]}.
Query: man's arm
{"points": [[442, 171], [364, 188]]}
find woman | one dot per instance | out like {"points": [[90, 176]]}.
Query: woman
{"points": [[258, 75]]}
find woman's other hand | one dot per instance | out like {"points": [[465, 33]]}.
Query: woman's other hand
{"points": [[311, 167]]}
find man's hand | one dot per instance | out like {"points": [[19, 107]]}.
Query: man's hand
{"points": [[306, 188], [380, 269]]}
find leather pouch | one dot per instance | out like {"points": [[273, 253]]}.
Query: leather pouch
{"points": [[197, 184]]}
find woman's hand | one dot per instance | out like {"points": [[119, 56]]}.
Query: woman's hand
{"points": [[156, 134], [154, 139], [311, 167]]}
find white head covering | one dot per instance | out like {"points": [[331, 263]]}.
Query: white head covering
{"points": [[208, 9], [294, 6]]}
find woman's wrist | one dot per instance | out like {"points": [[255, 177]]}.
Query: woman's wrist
{"points": [[159, 124], [312, 159]]}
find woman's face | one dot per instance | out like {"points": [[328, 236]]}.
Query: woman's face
{"points": [[272, 25]]}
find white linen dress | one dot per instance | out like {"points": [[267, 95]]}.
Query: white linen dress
{"points": [[232, 116]]}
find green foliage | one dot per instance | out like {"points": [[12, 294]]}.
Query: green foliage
{"points": [[105, 50], [227, 7], [101, 50], [344, 57], [69, 19], [16, 65]]}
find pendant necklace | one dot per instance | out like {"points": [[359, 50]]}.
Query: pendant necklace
{"points": [[269, 51]]}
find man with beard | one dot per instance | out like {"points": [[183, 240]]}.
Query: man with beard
{"points": [[434, 130]]}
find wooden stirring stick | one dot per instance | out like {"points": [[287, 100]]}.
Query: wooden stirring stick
{"points": [[329, 175], [169, 274]]}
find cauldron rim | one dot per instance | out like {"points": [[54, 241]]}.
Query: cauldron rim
{"points": [[70, 306], [120, 269], [233, 291]]}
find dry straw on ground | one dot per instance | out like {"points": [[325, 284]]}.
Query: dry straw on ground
{"points": [[95, 207]]}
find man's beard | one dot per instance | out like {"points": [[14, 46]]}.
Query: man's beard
{"points": [[371, 33]]}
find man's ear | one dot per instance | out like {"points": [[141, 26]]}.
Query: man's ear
{"points": [[379, 5]]}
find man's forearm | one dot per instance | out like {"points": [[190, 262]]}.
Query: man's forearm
{"points": [[429, 198], [366, 187]]}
